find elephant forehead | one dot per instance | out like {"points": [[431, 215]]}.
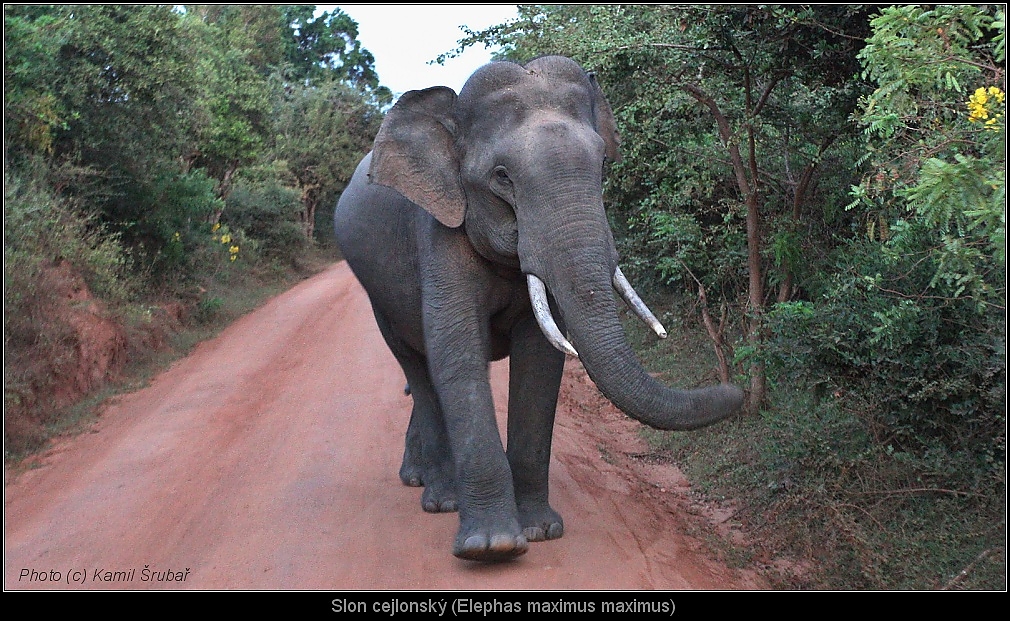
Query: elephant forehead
{"points": [[541, 129], [547, 75], [517, 115], [548, 130], [514, 104], [557, 65], [541, 92]]}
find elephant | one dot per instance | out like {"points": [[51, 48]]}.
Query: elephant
{"points": [[476, 226]]}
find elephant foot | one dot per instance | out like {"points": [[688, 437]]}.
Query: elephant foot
{"points": [[417, 472], [541, 523], [410, 475], [411, 470], [439, 495], [491, 548], [439, 498]]}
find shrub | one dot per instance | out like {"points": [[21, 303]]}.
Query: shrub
{"points": [[49, 248], [926, 366], [268, 212]]}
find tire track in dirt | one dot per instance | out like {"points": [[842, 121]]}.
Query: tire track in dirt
{"points": [[268, 459]]}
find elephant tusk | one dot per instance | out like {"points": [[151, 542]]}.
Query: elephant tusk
{"points": [[637, 305], [542, 311]]}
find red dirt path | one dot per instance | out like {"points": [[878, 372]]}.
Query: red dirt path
{"points": [[268, 459]]}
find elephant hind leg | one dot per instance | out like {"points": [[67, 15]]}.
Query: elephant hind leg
{"points": [[427, 460], [540, 522], [410, 467], [427, 457]]}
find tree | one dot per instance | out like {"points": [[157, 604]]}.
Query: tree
{"points": [[327, 46], [234, 101], [124, 99], [277, 105], [150, 112], [729, 115], [111, 73], [32, 111], [322, 131], [909, 321], [936, 126]]}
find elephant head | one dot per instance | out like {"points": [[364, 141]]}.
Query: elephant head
{"points": [[517, 158]]}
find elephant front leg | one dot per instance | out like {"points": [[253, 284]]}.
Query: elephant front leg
{"points": [[489, 528], [535, 369], [459, 291]]}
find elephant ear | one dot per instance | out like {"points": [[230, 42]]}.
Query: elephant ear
{"points": [[605, 124], [414, 153]]}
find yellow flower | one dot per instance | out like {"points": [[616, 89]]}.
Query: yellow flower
{"points": [[216, 226], [982, 103], [233, 250], [226, 239]]}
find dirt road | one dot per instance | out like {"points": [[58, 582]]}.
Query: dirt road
{"points": [[268, 459]]}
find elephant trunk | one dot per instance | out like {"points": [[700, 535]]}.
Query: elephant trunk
{"points": [[590, 315], [580, 273]]}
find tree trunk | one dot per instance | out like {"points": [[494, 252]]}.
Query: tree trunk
{"points": [[747, 183], [309, 221], [716, 334], [757, 395], [224, 185], [800, 189], [308, 213]]}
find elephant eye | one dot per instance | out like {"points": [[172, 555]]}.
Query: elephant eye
{"points": [[501, 175]]}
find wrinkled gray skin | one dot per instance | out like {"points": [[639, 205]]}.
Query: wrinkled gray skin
{"points": [[461, 198]]}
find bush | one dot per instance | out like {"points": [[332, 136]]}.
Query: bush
{"points": [[51, 249], [41, 229], [171, 234], [827, 506], [926, 366], [268, 212]]}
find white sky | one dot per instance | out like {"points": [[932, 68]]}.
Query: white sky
{"points": [[403, 38]]}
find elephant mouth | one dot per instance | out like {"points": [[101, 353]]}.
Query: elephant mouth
{"points": [[542, 310]]}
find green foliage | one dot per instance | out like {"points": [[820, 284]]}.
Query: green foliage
{"points": [[321, 133], [156, 111], [52, 250], [937, 154], [928, 369], [32, 114], [42, 230], [905, 325], [234, 102], [208, 309], [831, 508], [123, 75], [912, 319], [123, 82], [325, 47], [268, 211]]}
